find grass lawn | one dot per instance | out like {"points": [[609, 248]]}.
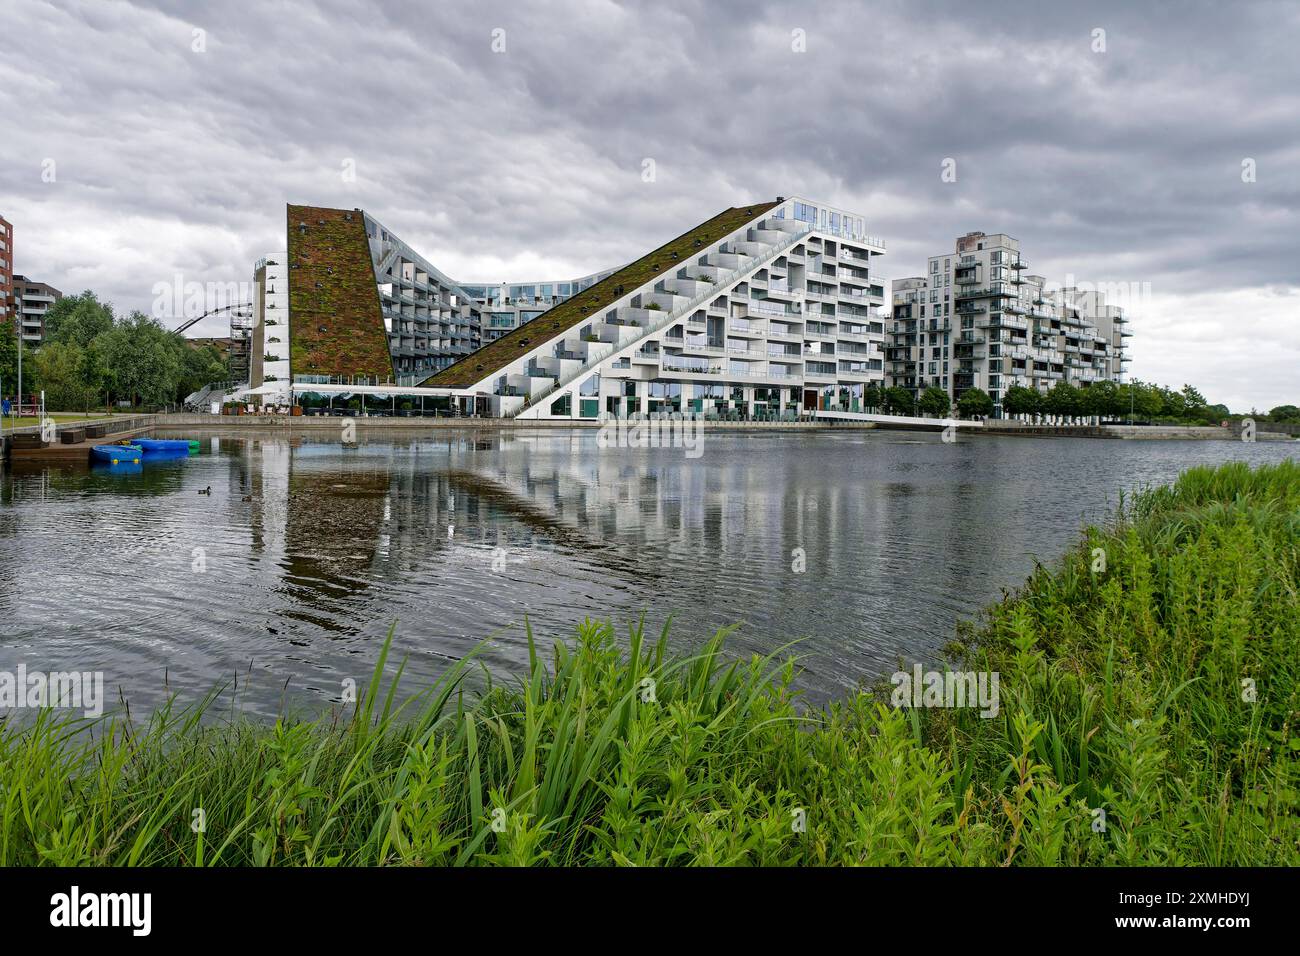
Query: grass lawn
{"points": [[1148, 713], [60, 418]]}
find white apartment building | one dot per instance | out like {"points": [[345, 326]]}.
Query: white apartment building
{"points": [[771, 308], [508, 305], [978, 319], [429, 319]]}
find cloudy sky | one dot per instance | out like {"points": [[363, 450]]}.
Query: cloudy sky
{"points": [[149, 140]]}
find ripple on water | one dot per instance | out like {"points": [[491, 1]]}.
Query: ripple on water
{"points": [[460, 542]]}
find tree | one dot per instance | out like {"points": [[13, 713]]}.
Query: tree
{"points": [[1172, 404], [1022, 401], [897, 400], [1217, 413], [8, 359], [200, 365], [58, 370], [871, 396], [1148, 401], [1101, 399], [1286, 414], [975, 403], [143, 358], [1063, 399], [934, 401], [1195, 402], [78, 319], [94, 371]]}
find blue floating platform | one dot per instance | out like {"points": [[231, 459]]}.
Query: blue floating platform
{"points": [[153, 446], [117, 454]]}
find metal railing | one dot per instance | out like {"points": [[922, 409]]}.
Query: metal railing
{"points": [[651, 328]]}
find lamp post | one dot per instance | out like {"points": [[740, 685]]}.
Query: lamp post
{"points": [[18, 331]]}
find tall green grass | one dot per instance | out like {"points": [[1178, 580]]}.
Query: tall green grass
{"points": [[1125, 736]]}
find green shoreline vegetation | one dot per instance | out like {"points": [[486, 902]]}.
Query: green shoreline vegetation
{"points": [[1149, 714]]}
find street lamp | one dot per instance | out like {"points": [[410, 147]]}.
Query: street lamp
{"points": [[18, 332]]}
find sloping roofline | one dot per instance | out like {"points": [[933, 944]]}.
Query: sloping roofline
{"points": [[498, 354]]}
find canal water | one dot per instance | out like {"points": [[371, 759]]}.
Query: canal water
{"points": [[866, 547]]}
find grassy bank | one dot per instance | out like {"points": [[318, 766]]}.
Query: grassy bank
{"points": [[1125, 735]]}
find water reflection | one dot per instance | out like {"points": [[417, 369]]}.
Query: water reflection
{"points": [[305, 552]]}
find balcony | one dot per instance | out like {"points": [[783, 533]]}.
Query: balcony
{"points": [[991, 292], [691, 366], [703, 345], [1009, 321], [857, 370], [763, 307]]}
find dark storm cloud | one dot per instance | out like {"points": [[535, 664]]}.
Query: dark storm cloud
{"points": [[1118, 166]]}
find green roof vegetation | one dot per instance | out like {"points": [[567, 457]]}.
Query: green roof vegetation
{"points": [[336, 320], [592, 302]]}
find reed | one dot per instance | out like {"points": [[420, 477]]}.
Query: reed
{"points": [[1125, 735]]}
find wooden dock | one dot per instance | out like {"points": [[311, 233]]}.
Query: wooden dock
{"points": [[55, 452]]}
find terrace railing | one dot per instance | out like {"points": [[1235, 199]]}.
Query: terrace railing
{"points": [[598, 355]]}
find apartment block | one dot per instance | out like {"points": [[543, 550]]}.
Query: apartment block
{"points": [[769, 308], [31, 300], [979, 319], [509, 305], [7, 304]]}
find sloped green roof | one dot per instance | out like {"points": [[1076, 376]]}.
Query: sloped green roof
{"points": [[589, 303], [336, 319]]}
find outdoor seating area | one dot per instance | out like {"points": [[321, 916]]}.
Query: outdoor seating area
{"points": [[257, 408]]}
